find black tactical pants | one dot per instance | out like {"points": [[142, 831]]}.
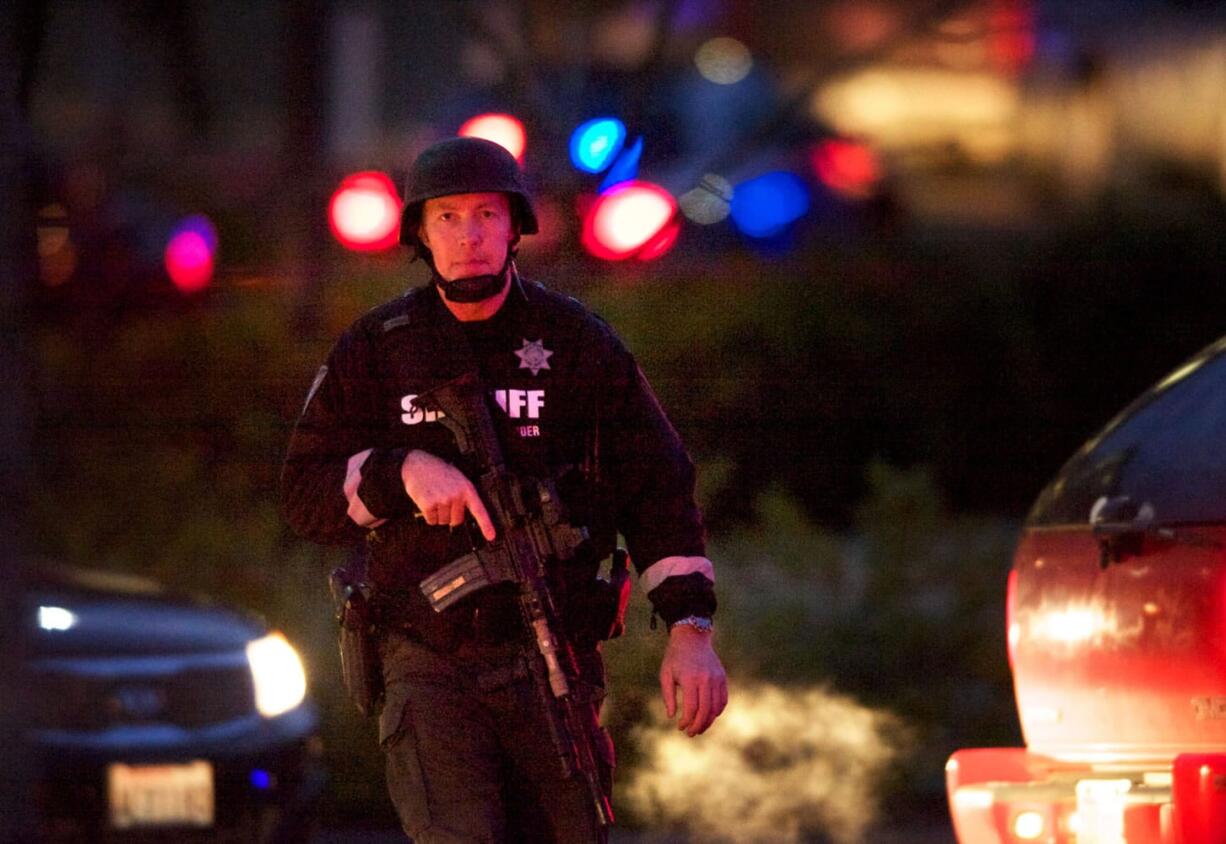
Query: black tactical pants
{"points": [[469, 755]]}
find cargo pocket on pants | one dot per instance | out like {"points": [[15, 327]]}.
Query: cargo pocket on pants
{"points": [[406, 784]]}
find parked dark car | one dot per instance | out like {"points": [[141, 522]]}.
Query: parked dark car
{"points": [[153, 716]]}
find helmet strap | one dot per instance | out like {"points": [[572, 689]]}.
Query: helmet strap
{"points": [[475, 288]]}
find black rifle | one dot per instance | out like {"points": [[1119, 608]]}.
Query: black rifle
{"points": [[527, 515]]}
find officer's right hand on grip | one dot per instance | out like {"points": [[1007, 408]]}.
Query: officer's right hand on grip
{"points": [[442, 493]]}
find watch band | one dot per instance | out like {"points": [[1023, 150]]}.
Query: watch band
{"points": [[700, 623]]}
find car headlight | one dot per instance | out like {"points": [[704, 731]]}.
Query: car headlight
{"points": [[276, 669]]}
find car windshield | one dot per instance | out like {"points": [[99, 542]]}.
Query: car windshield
{"points": [[1168, 450]]}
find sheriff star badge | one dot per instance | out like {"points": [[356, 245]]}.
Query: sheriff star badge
{"points": [[533, 355]]}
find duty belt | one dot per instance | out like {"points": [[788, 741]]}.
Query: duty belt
{"points": [[480, 624]]}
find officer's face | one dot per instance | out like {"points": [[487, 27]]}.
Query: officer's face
{"points": [[468, 233]]}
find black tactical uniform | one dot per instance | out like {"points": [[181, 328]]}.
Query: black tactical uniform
{"points": [[467, 760]]}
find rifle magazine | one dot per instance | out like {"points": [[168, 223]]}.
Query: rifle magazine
{"points": [[455, 581]]}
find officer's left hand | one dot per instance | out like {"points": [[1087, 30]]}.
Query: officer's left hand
{"points": [[691, 663]]}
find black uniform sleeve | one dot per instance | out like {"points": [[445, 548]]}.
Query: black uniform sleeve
{"points": [[652, 479], [382, 488], [340, 419]]}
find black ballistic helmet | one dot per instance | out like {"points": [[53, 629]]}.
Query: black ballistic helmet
{"points": [[463, 165]]}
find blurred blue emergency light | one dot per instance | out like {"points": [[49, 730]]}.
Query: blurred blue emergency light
{"points": [[765, 206], [595, 143], [626, 168]]}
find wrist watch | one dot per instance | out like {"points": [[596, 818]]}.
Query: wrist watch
{"points": [[701, 623]]}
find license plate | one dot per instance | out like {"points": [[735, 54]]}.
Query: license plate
{"points": [[1100, 811], [143, 796]]}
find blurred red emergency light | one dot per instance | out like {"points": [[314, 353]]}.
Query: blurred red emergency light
{"points": [[631, 220], [502, 129], [364, 212]]}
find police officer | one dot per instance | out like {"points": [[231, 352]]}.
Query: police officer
{"points": [[469, 757]]}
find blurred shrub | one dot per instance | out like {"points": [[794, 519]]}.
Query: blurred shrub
{"points": [[801, 372], [906, 613], [901, 620]]}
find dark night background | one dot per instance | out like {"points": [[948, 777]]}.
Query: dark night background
{"points": [[874, 395]]}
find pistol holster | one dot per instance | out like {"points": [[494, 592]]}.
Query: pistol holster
{"points": [[361, 670]]}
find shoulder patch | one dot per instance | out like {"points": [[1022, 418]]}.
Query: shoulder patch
{"points": [[409, 305]]}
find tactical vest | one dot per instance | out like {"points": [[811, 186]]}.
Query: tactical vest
{"points": [[541, 401]]}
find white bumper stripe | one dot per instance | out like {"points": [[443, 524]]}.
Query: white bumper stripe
{"points": [[674, 566], [353, 479]]}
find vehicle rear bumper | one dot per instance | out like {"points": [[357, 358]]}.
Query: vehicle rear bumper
{"points": [[1012, 796]]}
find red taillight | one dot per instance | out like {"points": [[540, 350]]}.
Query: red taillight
{"points": [[1199, 786]]}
